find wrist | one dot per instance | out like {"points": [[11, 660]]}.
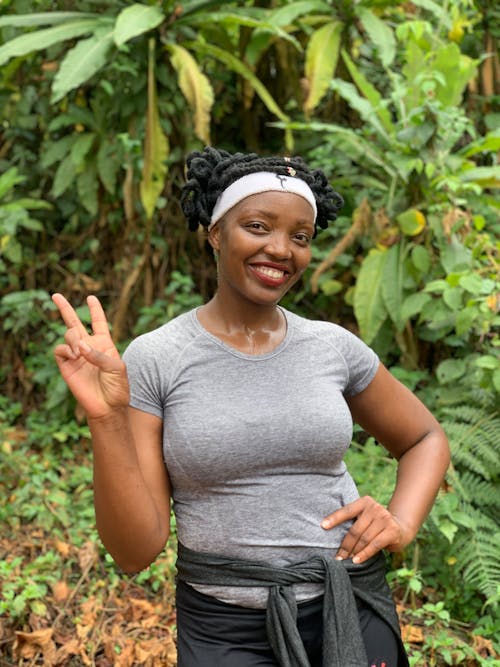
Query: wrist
{"points": [[113, 420], [407, 531]]}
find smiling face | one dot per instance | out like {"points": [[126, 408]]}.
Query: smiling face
{"points": [[264, 246]]}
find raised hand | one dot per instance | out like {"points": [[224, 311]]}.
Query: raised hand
{"points": [[90, 364], [374, 529]]}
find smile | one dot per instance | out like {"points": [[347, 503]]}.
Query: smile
{"points": [[268, 271], [269, 275]]}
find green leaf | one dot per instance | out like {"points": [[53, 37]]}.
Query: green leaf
{"points": [[156, 146], [321, 60], [56, 150], [27, 202], [358, 144], [81, 147], [136, 20], [413, 304], [195, 87], [392, 284], [261, 37], [380, 34], [360, 104], [369, 306], [42, 39], [43, 18], [496, 380], [81, 62], [472, 282], [457, 69], [455, 256], [453, 298], [287, 14], [64, 176], [485, 176], [87, 187], [9, 180], [421, 258], [464, 320], [448, 529], [450, 369], [411, 222], [240, 68], [370, 92], [330, 287], [108, 164], [488, 361]]}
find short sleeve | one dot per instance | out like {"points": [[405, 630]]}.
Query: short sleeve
{"points": [[362, 363], [143, 376]]}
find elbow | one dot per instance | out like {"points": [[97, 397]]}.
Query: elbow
{"points": [[134, 565], [132, 559]]}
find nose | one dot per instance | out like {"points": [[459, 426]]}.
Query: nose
{"points": [[278, 246]]}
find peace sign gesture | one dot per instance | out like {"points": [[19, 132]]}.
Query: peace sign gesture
{"points": [[90, 364]]}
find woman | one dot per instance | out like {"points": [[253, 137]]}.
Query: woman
{"points": [[241, 412]]}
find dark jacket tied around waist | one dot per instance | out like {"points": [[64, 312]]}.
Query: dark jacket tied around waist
{"points": [[344, 582]]}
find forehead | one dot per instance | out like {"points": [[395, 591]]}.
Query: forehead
{"points": [[275, 204]]}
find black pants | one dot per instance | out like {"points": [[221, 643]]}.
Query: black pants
{"points": [[211, 633]]}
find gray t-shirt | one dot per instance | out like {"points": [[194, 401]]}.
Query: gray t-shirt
{"points": [[254, 444]]}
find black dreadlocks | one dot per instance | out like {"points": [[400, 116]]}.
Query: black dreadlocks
{"points": [[211, 171]]}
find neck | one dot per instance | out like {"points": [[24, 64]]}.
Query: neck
{"points": [[236, 316]]}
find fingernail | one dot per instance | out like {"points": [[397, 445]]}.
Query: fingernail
{"points": [[324, 524], [355, 559], [338, 558]]}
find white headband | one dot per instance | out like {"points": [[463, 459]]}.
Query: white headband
{"points": [[261, 181]]}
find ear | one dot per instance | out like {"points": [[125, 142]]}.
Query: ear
{"points": [[214, 237]]}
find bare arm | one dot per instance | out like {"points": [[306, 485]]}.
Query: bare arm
{"points": [[131, 486], [402, 424]]}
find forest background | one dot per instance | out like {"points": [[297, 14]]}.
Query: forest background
{"points": [[100, 102]]}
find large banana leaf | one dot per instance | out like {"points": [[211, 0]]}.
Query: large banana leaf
{"points": [[321, 60], [195, 87]]}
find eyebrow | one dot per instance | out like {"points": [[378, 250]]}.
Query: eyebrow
{"points": [[273, 216]]}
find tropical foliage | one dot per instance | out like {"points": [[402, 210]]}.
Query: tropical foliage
{"points": [[396, 101]]}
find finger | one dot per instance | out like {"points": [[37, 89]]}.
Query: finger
{"points": [[346, 513], [72, 337], [97, 316], [68, 313], [64, 353], [359, 534], [379, 542], [103, 361]]}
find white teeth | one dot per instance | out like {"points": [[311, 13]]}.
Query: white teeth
{"points": [[272, 273]]}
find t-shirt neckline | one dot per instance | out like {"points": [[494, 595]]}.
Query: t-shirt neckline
{"points": [[244, 355]]}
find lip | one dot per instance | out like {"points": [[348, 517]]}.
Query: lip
{"points": [[268, 280]]}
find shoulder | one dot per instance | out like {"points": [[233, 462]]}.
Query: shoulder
{"points": [[331, 342], [164, 343], [326, 333]]}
